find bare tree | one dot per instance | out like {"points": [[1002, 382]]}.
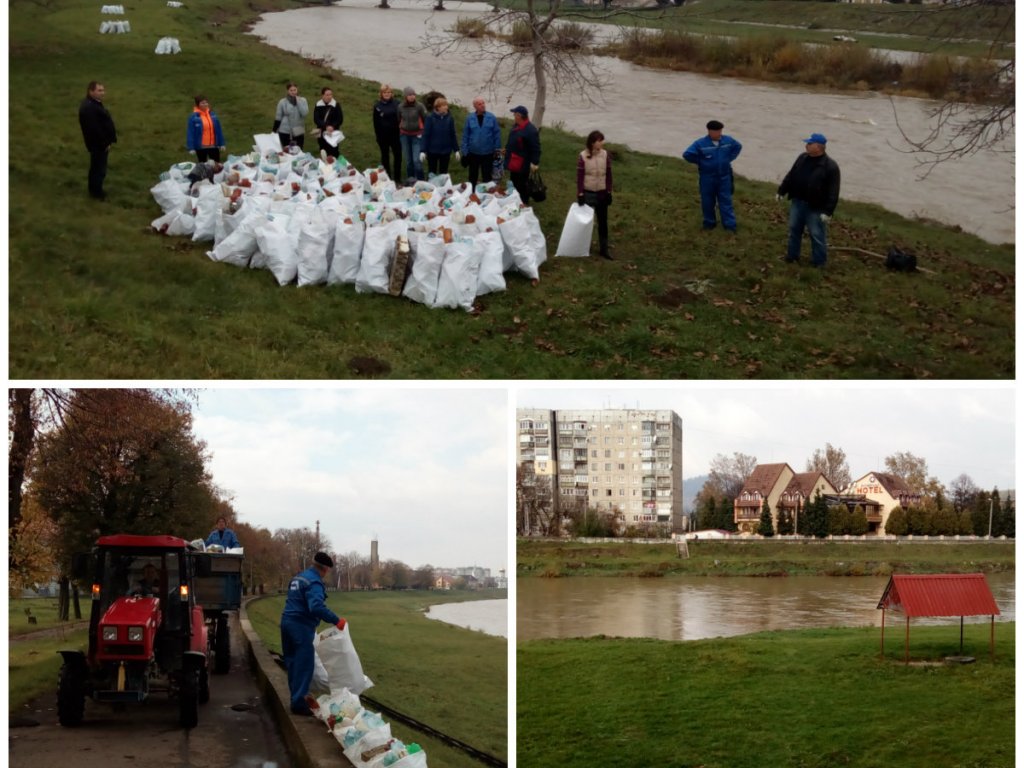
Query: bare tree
{"points": [[831, 462], [538, 53], [963, 492], [535, 504], [978, 114], [728, 474], [913, 470]]}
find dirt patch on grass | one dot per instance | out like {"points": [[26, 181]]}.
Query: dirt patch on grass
{"points": [[369, 366], [674, 298]]}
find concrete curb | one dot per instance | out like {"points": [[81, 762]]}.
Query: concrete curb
{"points": [[306, 738]]}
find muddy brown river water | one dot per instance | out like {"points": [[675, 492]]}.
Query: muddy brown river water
{"points": [[662, 112]]}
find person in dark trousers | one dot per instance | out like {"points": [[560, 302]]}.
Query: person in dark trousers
{"points": [[304, 609], [327, 117], [439, 138], [412, 115], [204, 137], [385, 128], [99, 134], [522, 152], [812, 186], [594, 185], [481, 141], [223, 535], [713, 155], [290, 117]]}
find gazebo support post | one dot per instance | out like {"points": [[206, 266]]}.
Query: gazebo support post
{"points": [[992, 639], [906, 644], [961, 635], [881, 654]]}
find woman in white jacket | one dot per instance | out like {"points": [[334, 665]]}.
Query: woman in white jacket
{"points": [[290, 118]]}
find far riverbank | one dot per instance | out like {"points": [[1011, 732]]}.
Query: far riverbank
{"points": [[556, 558]]}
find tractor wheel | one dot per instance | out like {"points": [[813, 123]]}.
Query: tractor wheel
{"points": [[189, 695], [70, 695], [222, 647]]}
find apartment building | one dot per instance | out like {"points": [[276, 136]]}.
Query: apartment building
{"points": [[625, 461]]}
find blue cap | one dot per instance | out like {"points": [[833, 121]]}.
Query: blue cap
{"points": [[521, 110], [816, 138]]}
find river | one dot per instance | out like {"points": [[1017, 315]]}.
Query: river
{"points": [[662, 112], [693, 608], [488, 616]]}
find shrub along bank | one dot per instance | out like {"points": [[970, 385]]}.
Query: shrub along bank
{"points": [[558, 558], [95, 293], [807, 698]]}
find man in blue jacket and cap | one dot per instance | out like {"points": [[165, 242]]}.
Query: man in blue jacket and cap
{"points": [[304, 609], [713, 155]]}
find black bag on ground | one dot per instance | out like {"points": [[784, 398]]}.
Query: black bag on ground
{"points": [[538, 189], [900, 260]]}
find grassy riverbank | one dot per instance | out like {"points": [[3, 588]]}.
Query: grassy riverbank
{"points": [[452, 679], [798, 699], [548, 558], [94, 293]]}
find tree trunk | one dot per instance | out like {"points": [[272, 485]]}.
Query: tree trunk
{"points": [[22, 437], [62, 599], [77, 603]]}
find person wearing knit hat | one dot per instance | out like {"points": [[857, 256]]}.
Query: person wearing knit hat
{"points": [[304, 609], [411, 117], [713, 155]]}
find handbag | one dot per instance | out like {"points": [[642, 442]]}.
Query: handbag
{"points": [[538, 189], [515, 163]]}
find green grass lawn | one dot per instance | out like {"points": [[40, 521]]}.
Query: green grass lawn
{"points": [[43, 609], [95, 293], [33, 665], [826, 558], [452, 679], [797, 699]]}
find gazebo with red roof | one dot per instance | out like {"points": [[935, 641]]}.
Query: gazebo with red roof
{"points": [[939, 594]]}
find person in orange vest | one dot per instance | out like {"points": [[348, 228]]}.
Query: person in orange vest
{"points": [[204, 137]]}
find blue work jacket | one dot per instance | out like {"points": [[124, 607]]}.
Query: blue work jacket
{"points": [[711, 160], [480, 139], [226, 539], [305, 604]]}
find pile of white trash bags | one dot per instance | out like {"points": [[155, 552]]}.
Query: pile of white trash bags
{"points": [[115, 27], [315, 222], [117, 10], [363, 735], [168, 45]]}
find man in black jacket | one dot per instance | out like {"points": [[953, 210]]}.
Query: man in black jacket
{"points": [[522, 152], [812, 185], [99, 134]]}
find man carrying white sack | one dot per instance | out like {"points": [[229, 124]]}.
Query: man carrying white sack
{"points": [[304, 609]]}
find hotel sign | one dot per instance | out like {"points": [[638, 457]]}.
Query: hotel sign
{"points": [[869, 485]]}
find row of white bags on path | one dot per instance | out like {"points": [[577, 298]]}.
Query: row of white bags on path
{"points": [[115, 9], [167, 45], [312, 222], [363, 735]]}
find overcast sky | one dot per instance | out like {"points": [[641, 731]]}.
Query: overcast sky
{"points": [[956, 430], [423, 470]]}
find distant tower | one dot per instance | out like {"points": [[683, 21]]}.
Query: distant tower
{"points": [[374, 558]]}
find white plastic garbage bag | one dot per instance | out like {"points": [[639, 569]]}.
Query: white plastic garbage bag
{"points": [[275, 245], [348, 247], [238, 247], [115, 27], [209, 207], [171, 195], [413, 760], [168, 45], [525, 243], [315, 248], [344, 670], [378, 251], [491, 276], [460, 272], [267, 142], [114, 9], [577, 231], [421, 285]]}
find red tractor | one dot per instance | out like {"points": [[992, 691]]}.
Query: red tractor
{"points": [[147, 634]]}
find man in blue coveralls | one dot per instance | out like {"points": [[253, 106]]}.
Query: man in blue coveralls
{"points": [[304, 608], [713, 155], [223, 535]]}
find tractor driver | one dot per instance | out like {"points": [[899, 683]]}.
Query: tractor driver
{"points": [[149, 584]]}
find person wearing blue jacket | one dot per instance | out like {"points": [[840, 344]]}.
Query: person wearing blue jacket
{"points": [[713, 155], [304, 609], [481, 140], [522, 152], [204, 137], [439, 138], [223, 535]]}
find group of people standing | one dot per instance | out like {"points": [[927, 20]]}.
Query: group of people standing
{"points": [[427, 138]]}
